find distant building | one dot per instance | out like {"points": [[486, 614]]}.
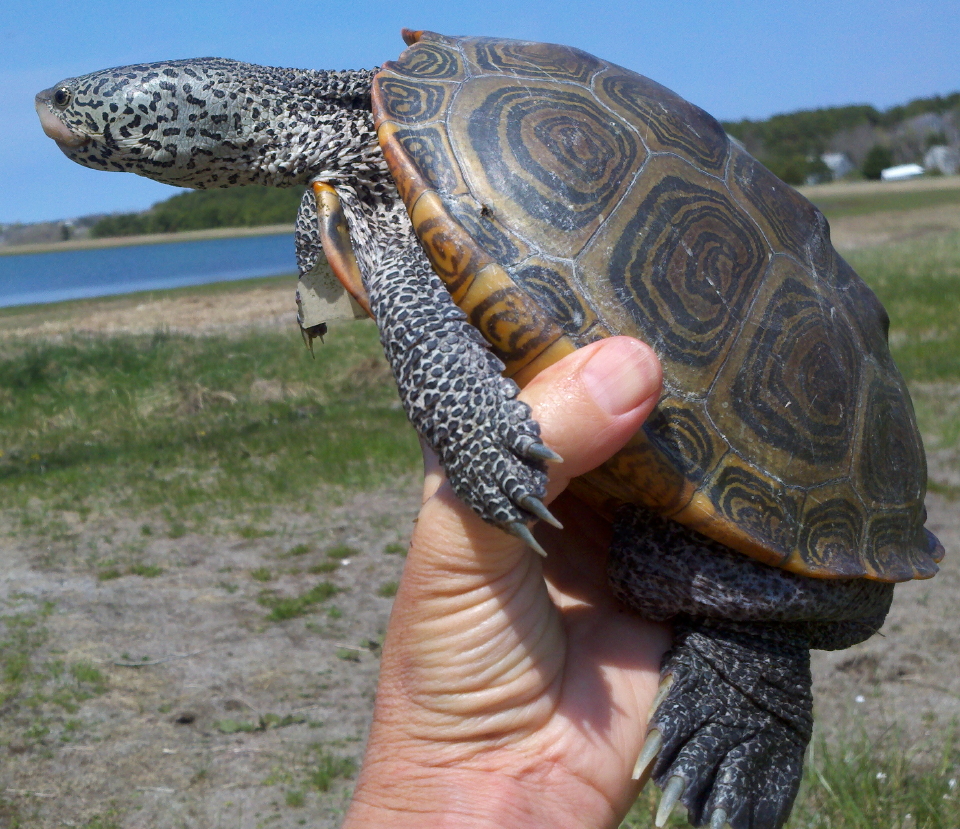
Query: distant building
{"points": [[901, 172], [839, 164], [943, 158]]}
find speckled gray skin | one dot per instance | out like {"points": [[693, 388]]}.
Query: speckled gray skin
{"points": [[738, 715], [220, 123], [736, 719]]}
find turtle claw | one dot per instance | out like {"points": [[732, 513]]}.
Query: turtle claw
{"points": [[541, 452], [719, 819], [535, 507], [665, 685], [671, 796], [651, 748], [522, 531]]}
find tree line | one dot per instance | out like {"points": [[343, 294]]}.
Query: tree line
{"points": [[791, 144], [201, 209]]}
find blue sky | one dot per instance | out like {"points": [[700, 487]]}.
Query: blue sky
{"points": [[735, 58]]}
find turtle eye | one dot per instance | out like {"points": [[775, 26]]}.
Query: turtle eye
{"points": [[61, 97]]}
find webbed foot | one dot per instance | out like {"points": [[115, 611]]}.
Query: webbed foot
{"points": [[728, 738], [487, 442]]}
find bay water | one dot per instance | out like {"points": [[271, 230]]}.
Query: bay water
{"points": [[30, 278]]}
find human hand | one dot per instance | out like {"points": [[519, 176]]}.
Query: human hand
{"points": [[514, 691]]}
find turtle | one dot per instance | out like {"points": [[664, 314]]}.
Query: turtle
{"points": [[496, 204]]}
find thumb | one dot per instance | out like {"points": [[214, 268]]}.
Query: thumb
{"points": [[592, 402]]}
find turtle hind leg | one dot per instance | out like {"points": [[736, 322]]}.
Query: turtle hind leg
{"points": [[735, 723], [729, 737]]}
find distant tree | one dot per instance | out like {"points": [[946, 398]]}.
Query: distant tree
{"points": [[817, 171], [201, 209], [797, 169], [791, 169], [877, 160]]}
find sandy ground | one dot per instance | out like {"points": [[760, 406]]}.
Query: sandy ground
{"points": [[157, 748], [190, 313]]}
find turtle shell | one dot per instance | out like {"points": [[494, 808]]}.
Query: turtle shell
{"points": [[563, 199]]}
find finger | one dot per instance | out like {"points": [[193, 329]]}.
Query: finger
{"points": [[590, 404], [433, 475]]}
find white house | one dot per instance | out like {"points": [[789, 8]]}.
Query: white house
{"points": [[943, 158], [839, 163], [901, 172]]}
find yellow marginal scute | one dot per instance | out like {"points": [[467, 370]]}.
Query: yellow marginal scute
{"points": [[454, 255], [638, 474], [553, 353], [700, 514]]}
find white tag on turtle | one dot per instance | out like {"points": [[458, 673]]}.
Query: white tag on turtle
{"points": [[321, 298]]}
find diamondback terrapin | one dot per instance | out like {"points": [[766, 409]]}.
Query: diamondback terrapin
{"points": [[496, 204]]}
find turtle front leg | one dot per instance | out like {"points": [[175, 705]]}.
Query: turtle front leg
{"points": [[454, 393]]}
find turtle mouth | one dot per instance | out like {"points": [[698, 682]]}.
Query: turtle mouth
{"points": [[53, 126]]}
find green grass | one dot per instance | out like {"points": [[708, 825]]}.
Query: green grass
{"points": [[295, 798], [283, 608], [147, 571], [38, 693], [324, 567], [860, 784], [919, 284], [189, 428], [261, 574], [327, 768], [342, 551], [388, 590], [861, 204]]}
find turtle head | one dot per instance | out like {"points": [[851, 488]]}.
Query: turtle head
{"points": [[178, 122], [207, 122]]}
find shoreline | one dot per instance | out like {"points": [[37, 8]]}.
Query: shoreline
{"points": [[147, 239], [213, 307], [837, 189]]}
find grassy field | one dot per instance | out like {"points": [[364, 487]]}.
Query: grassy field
{"points": [[190, 428], [860, 204]]}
